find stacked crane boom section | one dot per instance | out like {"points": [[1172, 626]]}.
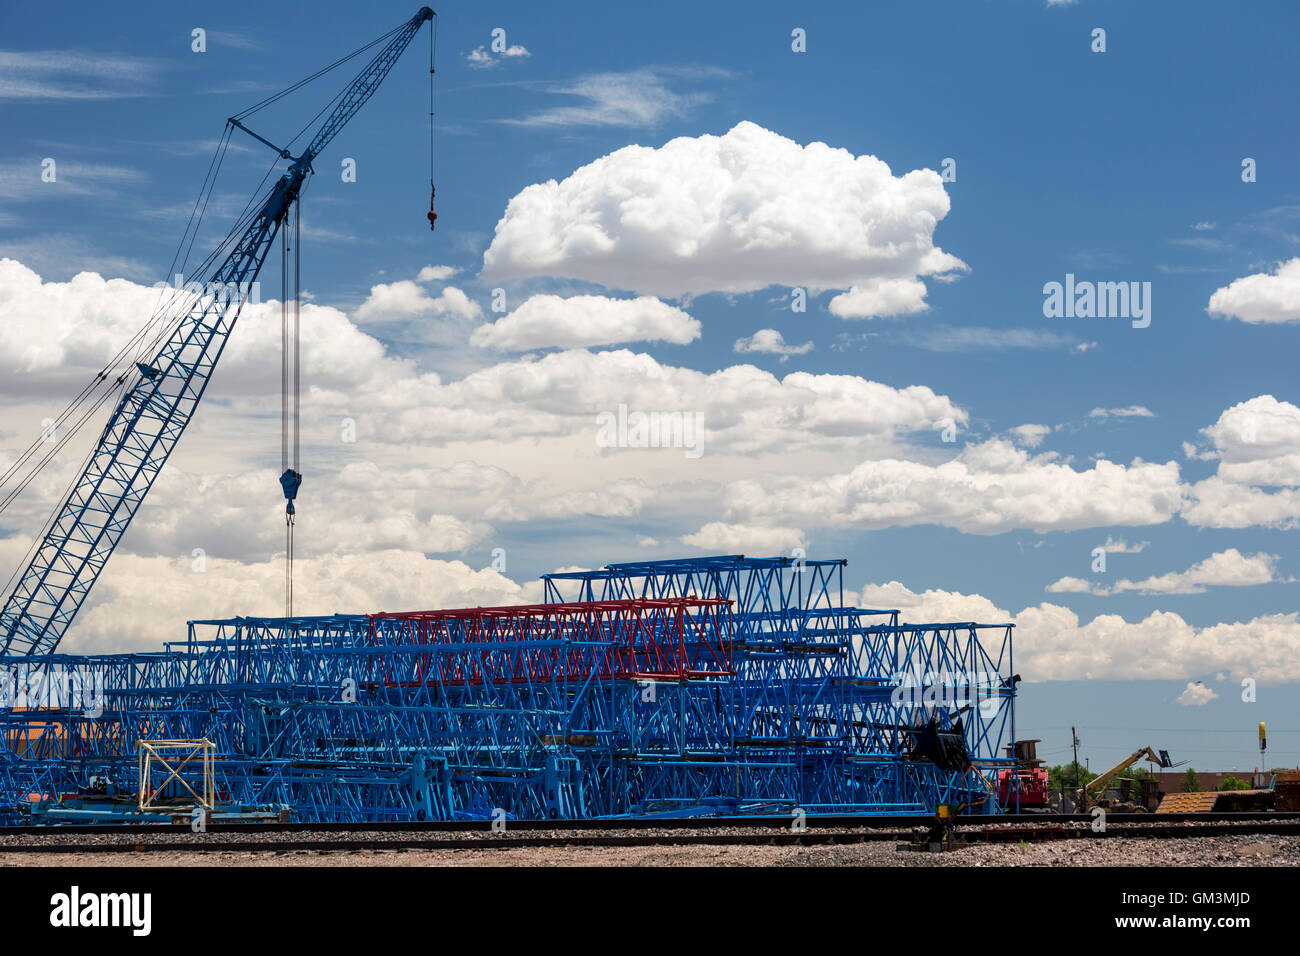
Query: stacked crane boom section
{"points": [[697, 687]]}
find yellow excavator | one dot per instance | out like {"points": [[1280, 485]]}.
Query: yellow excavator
{"points": [[1094, 791]]}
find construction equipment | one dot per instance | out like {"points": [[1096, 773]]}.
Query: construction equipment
{"points": [[1024, 788], [936, 740], [1094, 791], [160, 376]]}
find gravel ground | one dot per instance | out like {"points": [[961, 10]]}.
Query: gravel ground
{"points": [[1118, 851], [182, 835]]}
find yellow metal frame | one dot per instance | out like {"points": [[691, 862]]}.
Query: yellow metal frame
{"points": [[167, 752]]}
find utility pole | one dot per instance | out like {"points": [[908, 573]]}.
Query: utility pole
{"points": [[1078, 789]]}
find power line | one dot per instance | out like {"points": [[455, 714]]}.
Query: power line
{"points": [[1173, 730]]}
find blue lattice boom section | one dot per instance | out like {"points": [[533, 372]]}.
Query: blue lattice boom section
{"points": [[698, 687]]}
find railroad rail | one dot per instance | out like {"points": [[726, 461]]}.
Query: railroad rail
{"points": [[297, 838], [777, 822]]}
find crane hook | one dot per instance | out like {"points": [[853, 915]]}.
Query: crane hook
{"points": [[433, 216]]}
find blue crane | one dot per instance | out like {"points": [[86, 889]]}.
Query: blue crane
{"points": [[158, 395]]}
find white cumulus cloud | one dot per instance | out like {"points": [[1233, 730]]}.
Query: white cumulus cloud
{"points": [[158, 594], [745, 410], [1132, 411], [1031, 436], [880, 298], [1052, 643], [1262, 298], [436, 273], [1195, 694], [731, 213], [986, 489], [618, 499], [404, 300], [1120, 546], [552, 321], [1257, 444], [1229, 568], [718, 537], [1069, 585], [480, 58], [771, 342]]}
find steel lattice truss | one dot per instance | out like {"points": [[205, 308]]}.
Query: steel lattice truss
{"points": [[707, 686]]}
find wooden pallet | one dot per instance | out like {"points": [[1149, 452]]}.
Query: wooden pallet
{"points": [[1188, 802]]}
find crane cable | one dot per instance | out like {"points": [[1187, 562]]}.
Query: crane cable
{"points": [[315, 76], [433, 191], [290, 390], [284, 416]]}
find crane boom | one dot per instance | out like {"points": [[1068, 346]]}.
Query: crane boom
{"points": [[1098, 784], [1096, 787], [158, 403]]}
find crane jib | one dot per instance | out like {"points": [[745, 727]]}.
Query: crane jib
{"points": [[149, 419]]}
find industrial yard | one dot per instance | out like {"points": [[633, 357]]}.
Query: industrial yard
{"points": [[649, 697], [662, 497]]}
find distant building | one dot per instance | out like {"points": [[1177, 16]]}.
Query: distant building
{"points": [[1171, 781]]}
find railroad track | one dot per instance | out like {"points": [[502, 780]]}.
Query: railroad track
{"points": [[404, 838], [775, 823]]}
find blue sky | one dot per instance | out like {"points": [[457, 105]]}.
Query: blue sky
{"points": [[1117, 166]]}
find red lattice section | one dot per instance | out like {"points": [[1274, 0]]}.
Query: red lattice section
{"points": [[643, 639]]}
